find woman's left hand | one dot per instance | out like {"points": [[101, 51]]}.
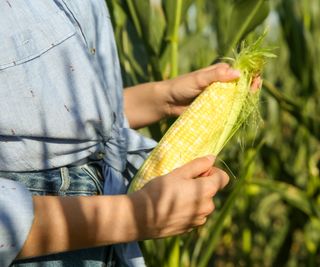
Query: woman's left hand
{"points": [[185, 88], [147, 103]]}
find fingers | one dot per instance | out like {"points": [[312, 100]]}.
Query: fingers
{"points": [[256, 84], [215, 66], [211, 178], [205, 210], [221, 72], [195, 168], [209, 172], [224, 72], [216, 181], [199, 221]]}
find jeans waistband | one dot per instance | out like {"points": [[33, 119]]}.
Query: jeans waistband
{"points": [[83, 180]]}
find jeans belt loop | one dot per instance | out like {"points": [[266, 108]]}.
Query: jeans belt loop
{"points": [[65, 180]]}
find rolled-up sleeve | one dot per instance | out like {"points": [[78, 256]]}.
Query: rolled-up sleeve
{"points": [[16, 217]]}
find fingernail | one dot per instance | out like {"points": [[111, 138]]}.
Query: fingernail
{"points": [[236, 73], [211, 158]]}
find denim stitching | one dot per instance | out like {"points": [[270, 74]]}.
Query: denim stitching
{"points": [[65, 180], [94, 177]]}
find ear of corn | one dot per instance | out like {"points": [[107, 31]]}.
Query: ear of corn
{"points": [[210, 121]]}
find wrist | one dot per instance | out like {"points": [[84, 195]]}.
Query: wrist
{"points": [[145, 104], [116, 213], [143, 212], [162, 92]]}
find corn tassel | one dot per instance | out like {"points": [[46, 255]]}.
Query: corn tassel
{"points": [[210, 121]]}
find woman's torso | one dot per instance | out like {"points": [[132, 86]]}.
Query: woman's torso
{"points": [[60, 84]]}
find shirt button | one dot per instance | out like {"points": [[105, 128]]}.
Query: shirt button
{"points": [[92, 51], [100, 155]]}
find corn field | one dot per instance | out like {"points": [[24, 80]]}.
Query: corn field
{"points": [[270, 213]]}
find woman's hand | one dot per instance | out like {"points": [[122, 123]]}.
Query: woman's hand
{"points": [[168, 205], [182, 90], [150, 102], [179, 201]]}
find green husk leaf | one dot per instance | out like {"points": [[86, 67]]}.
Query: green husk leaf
{"points": [[250, 62]]}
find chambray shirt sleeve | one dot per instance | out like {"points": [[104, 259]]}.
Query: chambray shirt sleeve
{"points": [[16, 217]]}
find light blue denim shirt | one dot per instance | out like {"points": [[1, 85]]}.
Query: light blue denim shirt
{"points": [[61, 102]]}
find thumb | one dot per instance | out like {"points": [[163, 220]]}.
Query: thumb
{"points": [[196, 167], [219, 74], [224, 75]]}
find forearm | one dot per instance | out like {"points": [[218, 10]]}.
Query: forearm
{"points": [[159, 209], [70, 223], [145, 104]]}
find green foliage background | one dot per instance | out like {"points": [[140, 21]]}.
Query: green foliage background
{"points": [[270, 214]]}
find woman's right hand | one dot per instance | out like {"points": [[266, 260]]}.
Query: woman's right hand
{"points": [[179, 201], [168, 205]]}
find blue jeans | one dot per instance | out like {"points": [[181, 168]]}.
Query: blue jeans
{"points": [[84, 180]]}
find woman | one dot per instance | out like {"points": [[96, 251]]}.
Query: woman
{"points": [[66, 131]]}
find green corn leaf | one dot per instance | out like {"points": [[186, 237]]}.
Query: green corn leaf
{"points": [[312, 235], [145, 17], [290, 193], [245, 16], [310, 121], [173, 252], [172, 10], [175, 14], [294, 25], [140, 13]]}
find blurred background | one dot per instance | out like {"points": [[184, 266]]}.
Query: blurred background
{"points": [[270, 213]]}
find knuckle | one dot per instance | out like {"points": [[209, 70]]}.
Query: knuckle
{"points": [[197, 164], [210, 207], [224, 179], [221, 72], [202, 221], [212, 187], [200, 80], [223, 65], [204, 162], [212, 190], [220, 178]]}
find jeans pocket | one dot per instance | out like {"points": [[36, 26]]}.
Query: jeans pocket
{"points": [[38, 183], [81, 180], [95, 174]]}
